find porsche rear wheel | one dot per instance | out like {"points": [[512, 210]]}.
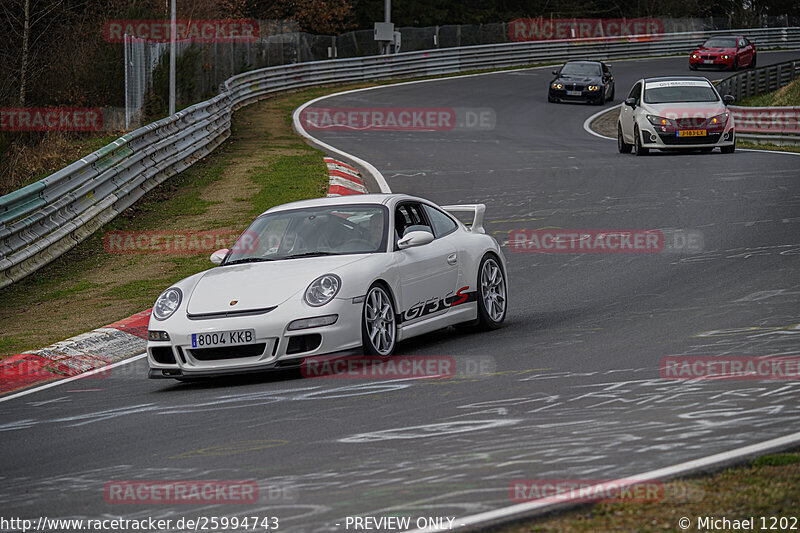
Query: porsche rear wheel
{"points": [[378, 322], [492, 294]]}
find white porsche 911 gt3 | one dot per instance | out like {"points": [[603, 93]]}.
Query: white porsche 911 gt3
{"points": [[675, 113], [325, 276]]}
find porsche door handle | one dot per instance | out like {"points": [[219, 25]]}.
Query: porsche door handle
{"points": [[452, 259]]}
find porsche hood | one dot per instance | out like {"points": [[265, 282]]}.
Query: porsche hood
{"points": [[258, 286]]}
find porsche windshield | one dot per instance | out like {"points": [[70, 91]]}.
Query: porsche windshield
{"points": [[581, 69], [309, 232], [674, 93]]}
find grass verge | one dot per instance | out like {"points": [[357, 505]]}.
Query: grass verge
{"points": [[788, 95], [765, 487]]}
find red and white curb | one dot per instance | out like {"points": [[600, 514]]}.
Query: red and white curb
{"points": [[343, 179], [77, 355]]}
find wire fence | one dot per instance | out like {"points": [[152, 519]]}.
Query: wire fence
{"points": [[202, 67]]}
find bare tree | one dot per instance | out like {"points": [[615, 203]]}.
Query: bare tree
{"points": [[28, 22]]}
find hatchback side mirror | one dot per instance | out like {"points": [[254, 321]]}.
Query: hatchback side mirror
{"points": [[728, 99], [630, 102]]}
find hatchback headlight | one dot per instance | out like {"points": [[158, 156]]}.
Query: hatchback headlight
{"points": [[719, 120], [658, 121], [323, 289], [558, 86], [167, 303]]}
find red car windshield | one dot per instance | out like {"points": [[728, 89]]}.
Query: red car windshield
{"points": [[720, 42]]}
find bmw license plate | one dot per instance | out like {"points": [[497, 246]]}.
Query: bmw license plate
{"points": [[573, 93], [708, 61], [223, 338], [692, 133]]}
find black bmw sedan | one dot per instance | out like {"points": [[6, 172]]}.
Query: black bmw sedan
{"points": [[582, 81]]}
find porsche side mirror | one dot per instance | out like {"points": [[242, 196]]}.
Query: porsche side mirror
{"points": [[630, 102], [728, 99], [415, 238], [219, 255]]}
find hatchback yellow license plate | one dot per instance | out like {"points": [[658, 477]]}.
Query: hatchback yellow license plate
{"points": [[692, 133]]}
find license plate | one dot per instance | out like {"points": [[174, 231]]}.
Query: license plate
{"points": [[692, 133], [223, 338], [574, 93], [708, 61]]}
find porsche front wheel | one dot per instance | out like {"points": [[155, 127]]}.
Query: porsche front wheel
{"points": [[378, 322]]}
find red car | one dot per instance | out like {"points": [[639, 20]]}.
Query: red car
{"points": [[729, 52]]}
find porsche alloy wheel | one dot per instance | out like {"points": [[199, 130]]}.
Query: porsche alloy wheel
{"points": [[492, 297], [379, 325]]}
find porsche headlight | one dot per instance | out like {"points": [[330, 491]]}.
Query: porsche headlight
{"points": [[719, 120], [323, 289], [658, 121], [593, 87], [167, 303], [558, 86]]}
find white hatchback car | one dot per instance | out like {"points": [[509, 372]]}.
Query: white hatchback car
{"points": [[675, 113], [325, 276]]}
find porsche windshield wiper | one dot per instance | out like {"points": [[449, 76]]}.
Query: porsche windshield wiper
{"points": [[248, 260], [309, 254]]}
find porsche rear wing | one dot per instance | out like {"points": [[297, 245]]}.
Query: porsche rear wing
{"points": [[477, 211]]}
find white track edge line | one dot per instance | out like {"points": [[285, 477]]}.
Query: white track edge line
{"points": [[588, 121], [73, 378], [376, 174], [665, 472]]}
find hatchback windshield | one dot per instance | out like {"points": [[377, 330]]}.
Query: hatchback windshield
{"points": [[670, 93], [317, 231], [720, 42], [580, 69]]}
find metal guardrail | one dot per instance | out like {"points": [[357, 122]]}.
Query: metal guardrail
{"points": [[43, 220], [759, 80], [775, 125]]}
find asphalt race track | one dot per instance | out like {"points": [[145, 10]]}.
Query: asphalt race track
{"points": [[569, 389]]}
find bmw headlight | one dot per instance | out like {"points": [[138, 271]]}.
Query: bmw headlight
{"points": [[658, 121], [558, 86], [167, 303], [323, 289], [695, 56], [726, 56], [593, 87]]}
